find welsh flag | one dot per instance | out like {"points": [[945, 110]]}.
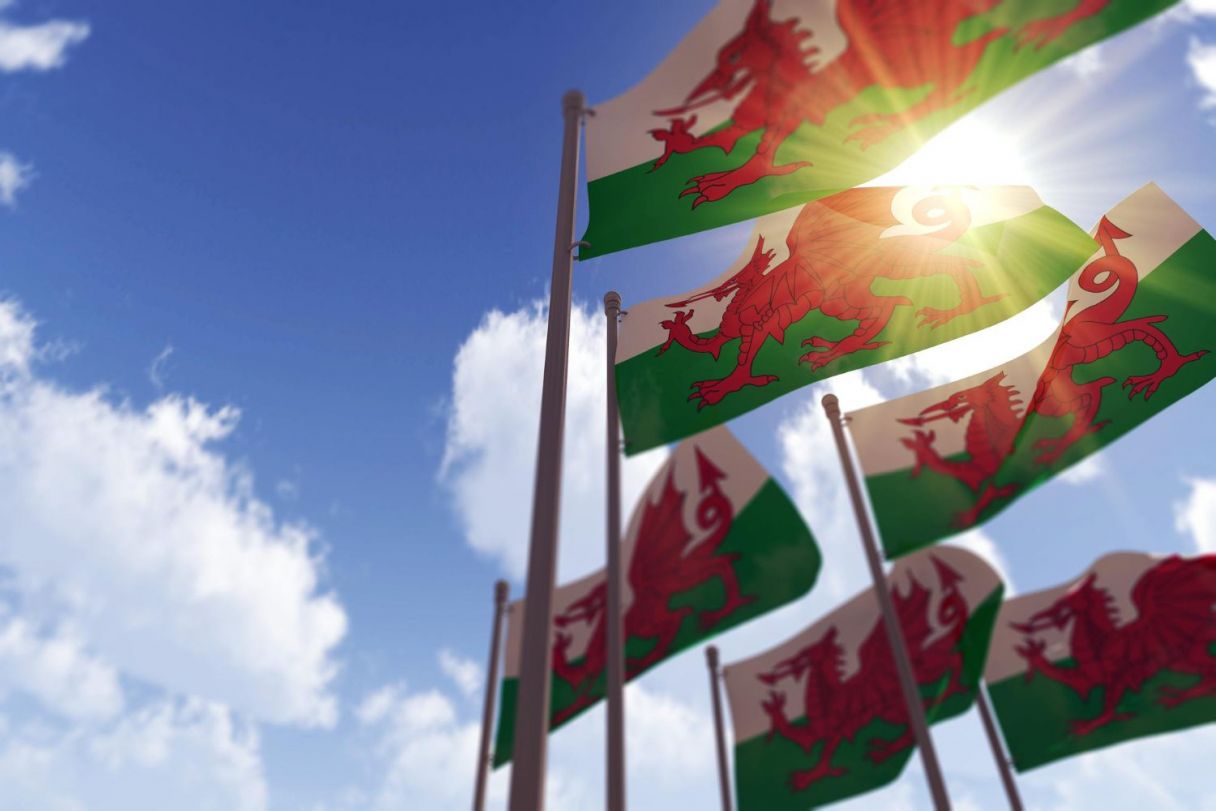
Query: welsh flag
{"points": [[768, 104], [712, 543], [1126, 650], [1135, 338], [821, 717], [844, 282]]}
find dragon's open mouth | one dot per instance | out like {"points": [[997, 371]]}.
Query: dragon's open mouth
{"points": [[1055, 617], [927, 415], [713, 89]]}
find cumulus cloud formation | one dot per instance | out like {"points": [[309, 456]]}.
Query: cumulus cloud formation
{"points": [[130, 529], [812, 467], [1157, 773], [14, 176], [1196, 516], [490, 454], [1085, 471], [1201, 56], [426, 752], [38, 47], [425, 748], [58, 671], [464, 673], [183, 755]]}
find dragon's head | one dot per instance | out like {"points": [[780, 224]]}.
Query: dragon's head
{"points": [[822, 654], [961, 403], [1080, 599], [759, 48]]}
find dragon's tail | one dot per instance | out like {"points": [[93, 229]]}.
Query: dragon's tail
{"points": [[1112, 269]]}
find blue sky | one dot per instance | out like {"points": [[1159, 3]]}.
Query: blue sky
{"points": [[270, 346]]}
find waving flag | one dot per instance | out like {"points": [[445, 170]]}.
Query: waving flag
{"points": [[713, 543], [765, 105], [1136, 338], [1126, 650], [821, 717], [851, 280]]}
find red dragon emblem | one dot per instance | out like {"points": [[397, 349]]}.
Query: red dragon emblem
{"points": [[1174, 629], [1090, 335], [989, 440], [837, 708], [666, 561], [1094, 333], [892, 44], [835, 254]]}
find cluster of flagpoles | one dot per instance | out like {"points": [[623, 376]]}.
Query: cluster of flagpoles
{"points": [[632, 221], [527, 790]]}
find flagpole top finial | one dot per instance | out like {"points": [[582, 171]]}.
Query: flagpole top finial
{"points": [[573, 101], [612, 301], [831, 405], [501, 590], [711, 655]]}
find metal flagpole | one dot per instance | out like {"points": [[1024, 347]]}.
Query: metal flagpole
{"points": [[616, 648], [532, 705], [998, 749], [715, 690], [487, 716], [895, 636]]}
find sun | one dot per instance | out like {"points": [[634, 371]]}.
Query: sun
{"points": [[970, 152]]}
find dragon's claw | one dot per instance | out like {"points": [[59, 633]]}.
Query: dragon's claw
{"points": [[711, 392], [676, 139]]}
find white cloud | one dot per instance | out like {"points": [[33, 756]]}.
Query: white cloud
{"points": [[490, 454], [464, 673], [1087, 63], [1201, 56], [670, 743], [812, 467], [39, 47], [978, 543], [1162, 773], [187, 755], [1085, 471], [14, 177], [426, 752], [1197, 514], [156, 369], [57, 670], [128, 527]]}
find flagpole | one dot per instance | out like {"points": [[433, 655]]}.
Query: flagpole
{"points": [[532, 705], [616, 649], [895, 636], [715, 690], [998, 749], [487, 716]]}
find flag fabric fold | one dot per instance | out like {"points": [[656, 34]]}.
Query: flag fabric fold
{"points": [[712, 543], [821, 717], [1126, 650], [845, 282], [1135, 338], [768, 104]]}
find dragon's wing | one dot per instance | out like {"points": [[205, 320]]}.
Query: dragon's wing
{"points": [[1176, 601], [661, 538]]}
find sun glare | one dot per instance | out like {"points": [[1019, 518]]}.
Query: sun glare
{"points": [[967, 153]]}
